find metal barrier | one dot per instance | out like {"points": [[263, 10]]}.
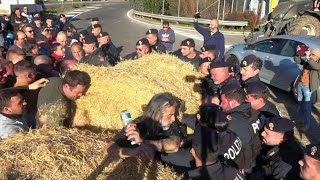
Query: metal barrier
{"points": [[186, 19]]}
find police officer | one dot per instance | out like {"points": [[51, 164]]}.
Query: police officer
{"points": [[310, 164], [189, 53], [280, 152], [250, 68], [94, 21], [204, 66], [242, 120], [142, 48], [219, 73], [208, 51], [205, 150], [230, 143], [108, 48], [155, 43], [82, 35], [257, 95], [94, 55], [96, 30], [65, 25]]}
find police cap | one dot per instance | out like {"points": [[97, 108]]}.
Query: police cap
{"points": [[208, 48], [83, 33], [204, 60], [95, 19], [62, 16], [280, 124], [188, 42], [89, 40], [96, 26], [257, 87], [248, 60], [219, 64], [205, 142], [152, 31], [143, 41], [313, 150], [230, 88], [103, 34]]}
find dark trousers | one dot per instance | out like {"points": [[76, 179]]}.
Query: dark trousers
{"points": [[181, 161]]}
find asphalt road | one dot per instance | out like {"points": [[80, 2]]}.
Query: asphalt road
{"points": [[125, 31]]}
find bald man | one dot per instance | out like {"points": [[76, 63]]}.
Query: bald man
{"points": [[212, 36]]}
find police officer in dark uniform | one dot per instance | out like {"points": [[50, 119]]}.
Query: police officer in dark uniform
{"points": [[94, 55], [219, 73], [280, 152], [96, 30], [257, 95], [205, 150], [244, 121], [142, 48], [155, 43], [310, 164], [94, 21], [82, 35], [189, 53], [108, 48], [250, 68], [209, 51], [65, 25]]}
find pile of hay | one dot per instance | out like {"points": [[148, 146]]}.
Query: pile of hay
{"points": [[71, 154], [130, 85]]}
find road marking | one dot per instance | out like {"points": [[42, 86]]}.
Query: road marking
{"points": [[183, 32], [78, 12]]}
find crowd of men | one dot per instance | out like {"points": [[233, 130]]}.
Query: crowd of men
{"points": [[238, 132]]}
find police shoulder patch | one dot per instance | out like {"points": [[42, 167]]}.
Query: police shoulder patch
{"points": [[313, 150]]}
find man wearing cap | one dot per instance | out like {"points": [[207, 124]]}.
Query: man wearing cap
{"points": [[244, 121], [205, 150], [167, 36], [94, 55], [212, 36], [96, 30], [219, 74], [155, 43], [108, 48], [83, 34], [204, 66], [142, 48], [250, 68], [94, 21], [257, 96], [64, 24], [310, 164], [280, 152], [189, 53], [208, 51], [309, 82]]}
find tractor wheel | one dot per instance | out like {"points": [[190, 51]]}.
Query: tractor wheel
{"points": [[305, 25]]}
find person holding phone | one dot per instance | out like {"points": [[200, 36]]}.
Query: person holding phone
{"points": [[309, 81]]}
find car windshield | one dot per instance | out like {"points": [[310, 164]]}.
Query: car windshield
{"points": [[272, 46]]}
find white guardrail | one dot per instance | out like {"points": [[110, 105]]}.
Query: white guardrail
{"points": [[186, 19]]}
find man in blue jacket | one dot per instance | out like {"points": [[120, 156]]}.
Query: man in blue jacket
{"points": [[212, 36]]}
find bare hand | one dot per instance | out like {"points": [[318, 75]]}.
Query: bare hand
{"points": [[308, 53], [38, 84], [133, 133]]}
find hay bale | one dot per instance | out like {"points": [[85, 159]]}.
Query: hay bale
{"points": [[71, 154], [130, 85]]}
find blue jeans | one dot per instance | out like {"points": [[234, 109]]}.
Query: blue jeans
{"points": [[305, 97]]}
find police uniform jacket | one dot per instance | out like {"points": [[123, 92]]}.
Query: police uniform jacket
{"points": [[250, 80], [289, 152], [194, 61], [270, 110], [215, 171], [215, 89], [111, 52], [66, 26], [158, 47], [131, 56], [245, 123], [97, 58]]}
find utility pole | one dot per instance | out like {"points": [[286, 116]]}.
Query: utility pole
{"points": [[163, 7], [197, 5], [224, 7], [218, 10], [232, 6], [179, 3]]}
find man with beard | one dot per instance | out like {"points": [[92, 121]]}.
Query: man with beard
{"points": [[11, 110], [56, 100]]}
